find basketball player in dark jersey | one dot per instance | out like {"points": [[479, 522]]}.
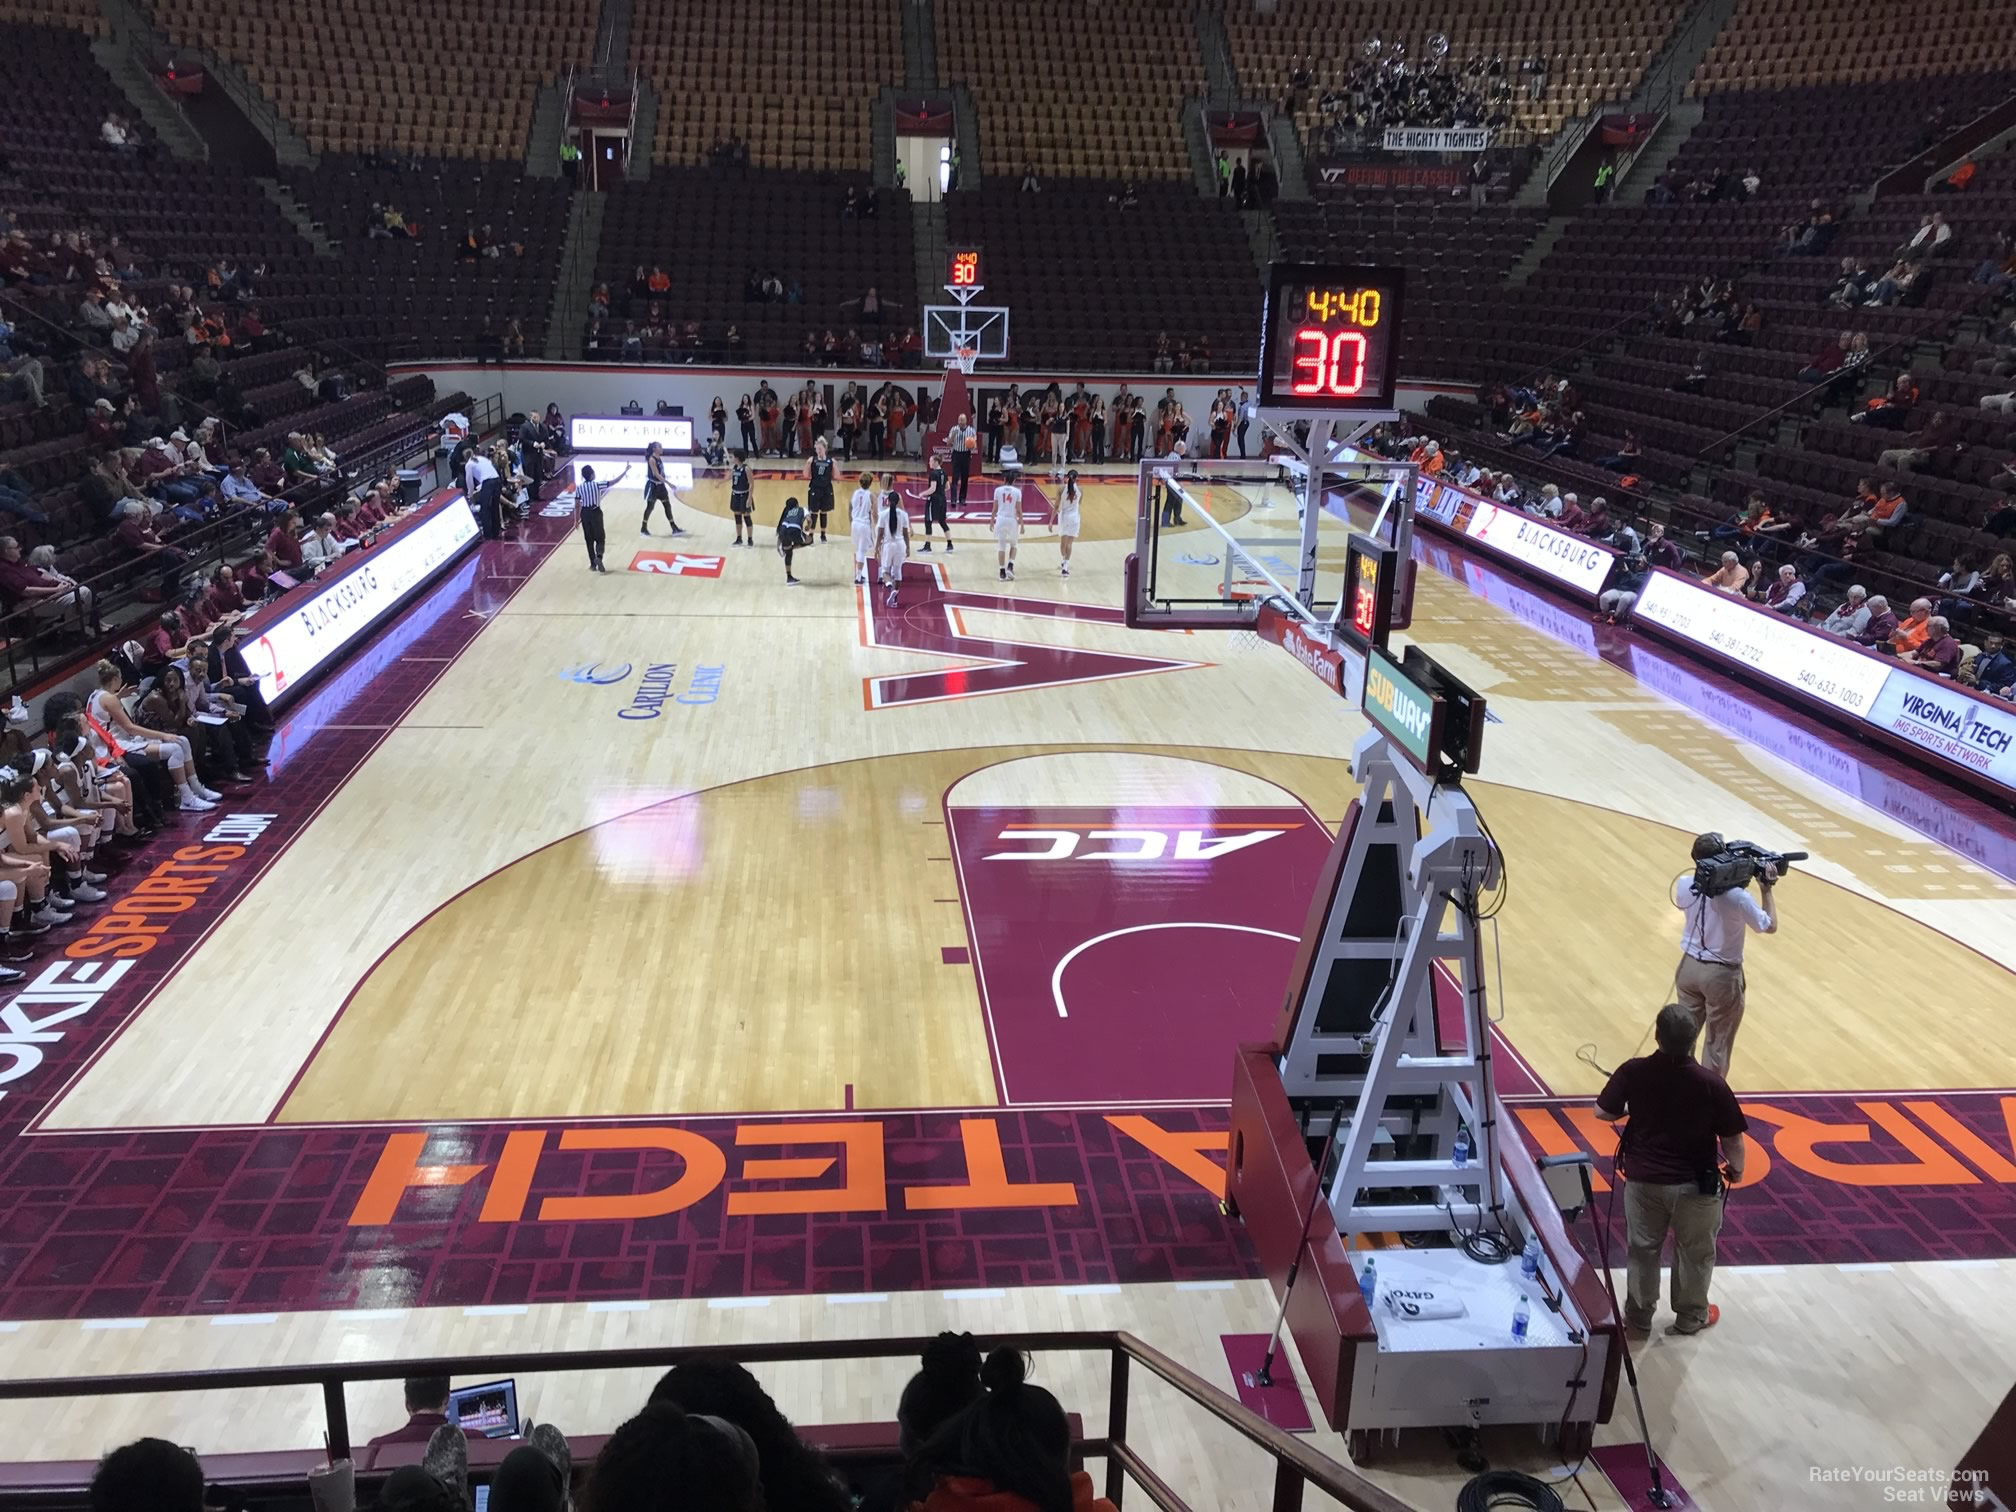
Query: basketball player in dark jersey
{"points": [[818, 490], [790, 536], [934, 507], [741, 501], [657, 491]]}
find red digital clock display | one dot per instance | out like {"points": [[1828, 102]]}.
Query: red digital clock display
{"points": [[1371, 579], [962, 269], [1331, 340]]}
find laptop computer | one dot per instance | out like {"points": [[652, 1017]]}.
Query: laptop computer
{"points": [[486, 1411]]}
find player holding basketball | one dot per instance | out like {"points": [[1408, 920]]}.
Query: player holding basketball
{"points": [[934, 507], [861, 525], [1007, 522], [818, 490], [1065, 518], [657, 489], [742, 500], [892, 539]]}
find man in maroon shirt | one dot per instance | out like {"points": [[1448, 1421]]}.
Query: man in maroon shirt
{"points": [[268, 474], [284, 541], [1939, 652], [1681, 1116], [427, 1409], [41, 591]]}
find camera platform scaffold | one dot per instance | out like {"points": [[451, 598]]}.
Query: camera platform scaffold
{"points": [[1369, 1126]]}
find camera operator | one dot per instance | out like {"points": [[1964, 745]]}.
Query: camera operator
{"points": [[1680, 1114], [1709, 982]]}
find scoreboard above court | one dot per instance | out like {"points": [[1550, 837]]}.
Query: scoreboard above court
{"points": [[1330, 338]]}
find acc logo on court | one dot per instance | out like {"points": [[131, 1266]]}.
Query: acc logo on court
{"points": [[677, 564], [596, 673], [1127, 844]]}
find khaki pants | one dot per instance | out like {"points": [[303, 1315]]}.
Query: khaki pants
{"points": [[1650, 1210], [1712, 993]]}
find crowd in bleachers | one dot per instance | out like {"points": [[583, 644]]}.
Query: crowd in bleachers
{"points": [[974, 1435]]}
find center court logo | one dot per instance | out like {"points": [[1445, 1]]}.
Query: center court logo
{"points": [[596, 674]]}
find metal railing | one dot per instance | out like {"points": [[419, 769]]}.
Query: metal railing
{"points": [[1658, 91], [1296, 1466]]}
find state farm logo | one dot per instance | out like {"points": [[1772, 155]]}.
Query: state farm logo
{"points": [[1318, 658], [1205, 843]]}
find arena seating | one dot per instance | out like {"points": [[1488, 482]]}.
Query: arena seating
{"points": [[791, 83], [1772, 42], [397, 297], [1091, 284], [1076, 91], [709, 229], [456, 78], [1593, 51]]}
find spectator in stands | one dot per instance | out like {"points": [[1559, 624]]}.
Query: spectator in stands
{"points": [[1892, 409], [793, 1474], [1937, 443], [1659, 551], [1828, 360], [148, 1475], [1786, 594], [1933, 238], [136, 533], [43, 591], [1851, 616], [1696, 377], [283, 541], [323, 546], [1899, 285], [21, 376], [1912, 630], [664, 1457], [1730, 577], [114, 133], [1615, 603], [1996, 586], [1886, 514], [948, 1384], [1010, 1449], [2001, 359], [1998, 271], [1937, 651], [1626, 458], [1851, 289], [426, 1410], [1031, 186], [1994, 670], [1881, 625]]}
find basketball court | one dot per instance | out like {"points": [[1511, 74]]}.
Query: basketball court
{"points": [[665, 956]]}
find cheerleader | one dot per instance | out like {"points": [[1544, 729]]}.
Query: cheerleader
{"points": [[892, 538], [1065, 518], [745, 422], [861, 520], [818, 490], [717, 420], [934, 506], [1007, 523], [741, 500]]}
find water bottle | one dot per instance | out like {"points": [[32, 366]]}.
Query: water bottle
{"points": [[1529, 1262], [1521, 1316], [1462, 1151], [1368, 1283]]}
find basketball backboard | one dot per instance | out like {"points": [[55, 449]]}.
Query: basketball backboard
{"points": [[984, 328]]}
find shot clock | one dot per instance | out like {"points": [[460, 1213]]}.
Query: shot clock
{"points": [[962, 268], [1371, 579], [1330, 340]]}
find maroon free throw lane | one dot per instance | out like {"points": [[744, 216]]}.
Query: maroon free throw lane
{"points": [[1123, 953]]}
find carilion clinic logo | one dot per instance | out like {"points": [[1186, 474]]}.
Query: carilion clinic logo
{"points": [[596, 674]]}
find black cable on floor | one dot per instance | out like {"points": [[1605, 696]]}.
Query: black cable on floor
{"points": [[1507, 1488]]}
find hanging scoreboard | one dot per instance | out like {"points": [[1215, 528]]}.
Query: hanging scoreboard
{"points": [[1330, 338]]}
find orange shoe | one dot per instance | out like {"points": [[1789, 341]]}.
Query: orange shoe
{"points": [[1714, 1317]]}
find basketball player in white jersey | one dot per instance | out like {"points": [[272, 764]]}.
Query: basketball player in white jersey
{"points": [[892, 538], [861, 519], [1007, 522], [1065, 518]]}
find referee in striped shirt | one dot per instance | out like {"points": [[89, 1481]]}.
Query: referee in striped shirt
{"points": [[588, 510]]}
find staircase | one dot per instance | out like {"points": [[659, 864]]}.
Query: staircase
{"points": [[1654, 157], [124, 53], [882, 137], [1289, 164], [966, 135], [311, 230], [1519, 273], [1197, 143], [643, 132], [920, 44], [1221, 79], [567, 316], [928, 242], [542, 142], [612, 38], [132, 27]]}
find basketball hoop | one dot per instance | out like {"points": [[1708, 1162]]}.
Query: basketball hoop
{"points": [[965, 357]]}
